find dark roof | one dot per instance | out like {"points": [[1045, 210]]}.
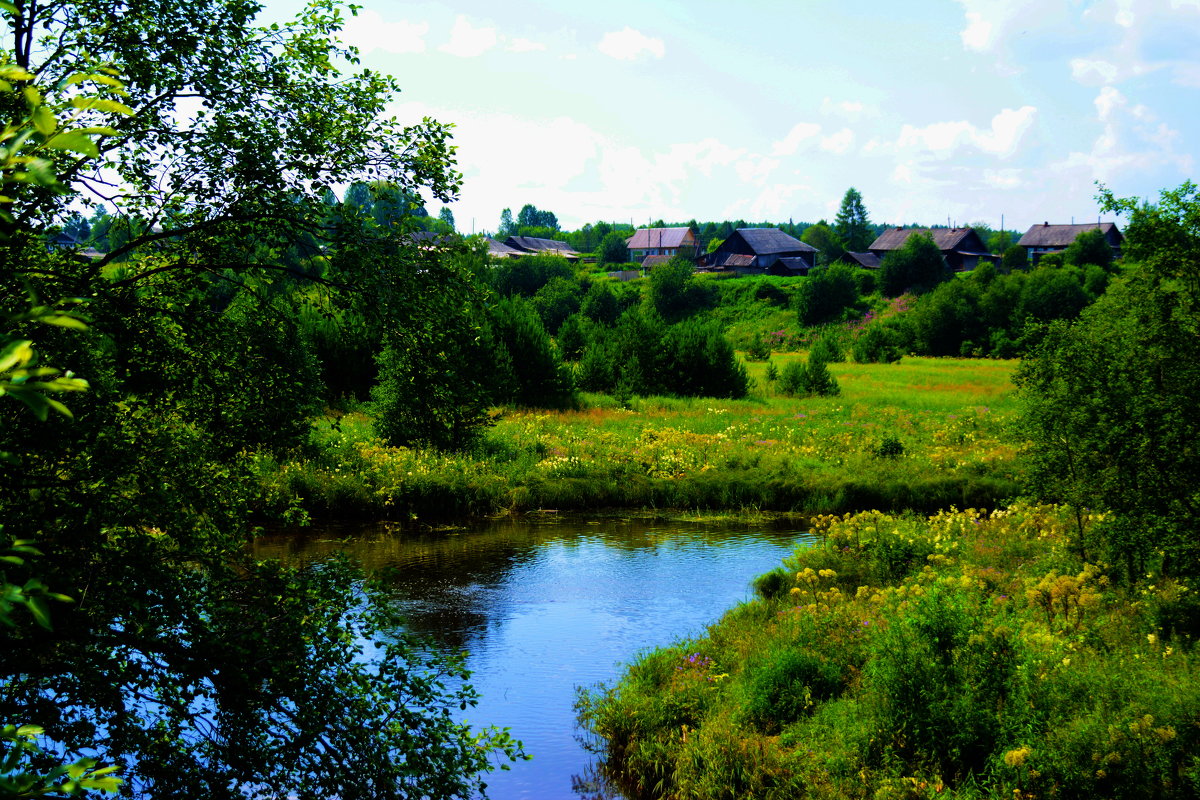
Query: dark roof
{"points": [[717, 260], [765, 241], [946, 239], [1047, 235], [531, 244], [500, 249], [868, 260], [652, 238], [793, 264]]}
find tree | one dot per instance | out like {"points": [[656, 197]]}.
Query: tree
{"points": [[507, 226], [917, 266], [673, 291], [826, 293], [613, 249], [826, 240], [1108, 401], [852, 224], [202, 671], [1089, 247], [531, 217], [447, 216]]}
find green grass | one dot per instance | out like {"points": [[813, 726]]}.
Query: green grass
{"points": [[764, 453], [963, 655]]}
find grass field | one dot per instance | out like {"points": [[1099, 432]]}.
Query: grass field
{"points": [[946, 419]]}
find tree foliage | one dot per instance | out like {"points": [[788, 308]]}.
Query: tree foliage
{"points": [[1109, 400], [916, 267], [852, 224], [200, 671]]}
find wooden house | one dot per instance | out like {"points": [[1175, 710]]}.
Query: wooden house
{"points": [[661, 242], [530, 245], [864, 260], [961, 247], [758, 251], [1047, 238], [498, 249]]}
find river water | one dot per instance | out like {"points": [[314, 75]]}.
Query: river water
{"points": [[544, 607]]}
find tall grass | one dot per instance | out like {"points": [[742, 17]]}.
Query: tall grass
{"points": [[923, 434]]}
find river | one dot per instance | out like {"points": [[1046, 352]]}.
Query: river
{"points": [[545, 607]]}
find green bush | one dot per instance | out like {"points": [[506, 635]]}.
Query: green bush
{"points": [[784, 685]]}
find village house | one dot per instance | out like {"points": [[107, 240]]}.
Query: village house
{"points": [[498, 249], [961, 247], [756, 251], [667, 242], [1047, 238], [530, 245]]}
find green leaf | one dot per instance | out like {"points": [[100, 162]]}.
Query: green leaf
{"points": [[16, 353], [44, 120], [64, 320], [76, 143], [9, 7]]}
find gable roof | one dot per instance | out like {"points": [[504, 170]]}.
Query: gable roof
{"points": [[794, 264], [946, 239], [653, 238], [766, 241], [532, 244], [500, 249], [867, 260], [1047, 235]]}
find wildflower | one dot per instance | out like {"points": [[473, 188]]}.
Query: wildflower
{"points": [[1016, 758]]}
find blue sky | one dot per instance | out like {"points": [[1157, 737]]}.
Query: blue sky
{"points": [[935, 110]]}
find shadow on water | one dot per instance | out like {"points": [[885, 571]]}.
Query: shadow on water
{"points": [[545, 607]]}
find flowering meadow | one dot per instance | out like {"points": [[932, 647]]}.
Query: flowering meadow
{"points": [[967, 654], [922, 434]]}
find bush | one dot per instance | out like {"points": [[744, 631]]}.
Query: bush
{"points": [[540, 379], [876, 345], [808, 378], [758, 349], [784, 685], [916, 267], [826, 293]]}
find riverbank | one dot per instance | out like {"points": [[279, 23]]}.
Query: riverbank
{"points": [[963, 655], [924, 434]]}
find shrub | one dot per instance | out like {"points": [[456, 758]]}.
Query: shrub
{"points": [[826, 293], [758, 349], [783, 686], [876, 345], [808, 378], [917, 266]]}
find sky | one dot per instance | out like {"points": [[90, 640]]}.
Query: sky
{"points": [[937, 111]]}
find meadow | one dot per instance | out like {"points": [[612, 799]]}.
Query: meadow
{"points": [[922, 434], [968, 654]]}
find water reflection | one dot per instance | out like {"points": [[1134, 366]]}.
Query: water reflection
{"points": [[543, 608]]}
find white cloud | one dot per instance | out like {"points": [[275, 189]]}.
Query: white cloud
{"points": [[1131, 140], [368, 31], [629, 45], [851, 109], [838, 142], [1093, 70], [801, 133], [988, 22], [1003, 178], [943, 138], [519, 45], [467, 41]]}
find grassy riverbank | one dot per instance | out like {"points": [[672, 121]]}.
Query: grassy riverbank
{"points": [[967, 655], [923, 434]]}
